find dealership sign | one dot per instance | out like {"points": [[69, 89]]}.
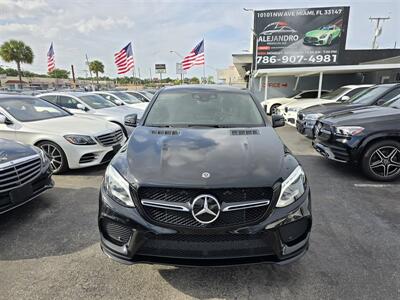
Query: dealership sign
{"points": [[303, 36], [160, 68]]}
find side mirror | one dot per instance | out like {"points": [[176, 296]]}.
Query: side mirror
{"points": [[131, 120], [81, 106], [380, 101], [297, 97], [119, 102], [4, 120], [278, 121], [345, 98]]}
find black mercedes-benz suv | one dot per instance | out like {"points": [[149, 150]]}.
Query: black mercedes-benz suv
{"points": [[205, 180], [368, 136], [24, 174], [375, 95]]}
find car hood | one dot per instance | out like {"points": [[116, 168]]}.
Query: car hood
{"points": [[316, 33], [11, 150], [306, 103], [363, 115], [73, 125], [156, 158], [330, 108], [120, 111]]}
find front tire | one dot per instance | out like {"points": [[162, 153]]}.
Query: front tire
{"points": [[58, 159], [274, 109], [381, 161]]}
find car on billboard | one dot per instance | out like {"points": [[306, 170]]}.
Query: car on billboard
{"points": [[277, 27], [323, 36]]}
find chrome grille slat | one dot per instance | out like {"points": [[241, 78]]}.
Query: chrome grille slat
{"points": [[19, 172], [110, 139]]}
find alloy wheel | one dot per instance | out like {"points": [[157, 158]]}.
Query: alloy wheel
{"points": [[54, 155], [385, 161]]}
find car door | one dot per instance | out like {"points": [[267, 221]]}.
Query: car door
{"points": [[70, 104], [7, 130]]}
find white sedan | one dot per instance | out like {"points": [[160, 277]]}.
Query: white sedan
{"points": [[122, 98], [69, 141], [271, 105]]}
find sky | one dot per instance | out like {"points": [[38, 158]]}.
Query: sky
{"points": [[100, 28]]}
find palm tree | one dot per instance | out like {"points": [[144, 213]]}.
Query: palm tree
{"points": [[97, 67], [18, 52]]}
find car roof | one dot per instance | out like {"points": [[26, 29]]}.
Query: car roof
{"points": [[204, 87], [76, 94], [15, 96]]}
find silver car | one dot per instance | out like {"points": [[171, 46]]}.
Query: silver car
{"points": [[89, 104]]}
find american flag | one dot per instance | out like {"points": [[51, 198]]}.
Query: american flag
{"points": [[124, 59], [51, 62], [195, 57]]}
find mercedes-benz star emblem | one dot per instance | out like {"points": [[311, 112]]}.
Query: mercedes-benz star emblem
{"points": [[205, 209], [205, 175]]}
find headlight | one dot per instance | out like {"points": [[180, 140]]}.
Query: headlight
{"points": [[313, 116], [323, 36], [80, 139], [292, 188], [348, 130], [116, 187], [294, 109]]}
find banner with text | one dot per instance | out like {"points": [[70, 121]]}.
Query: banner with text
{"points": [[303, 36]]}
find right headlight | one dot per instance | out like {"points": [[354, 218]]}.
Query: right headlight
{"points": [[292, 188], [116, 187]]}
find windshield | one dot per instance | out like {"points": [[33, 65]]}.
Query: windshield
{"points": [[149, 95], [28, 110], [294, 95], [368, 96], [394, 103], [335, 94], [126, 97], [204, 108], [96, 102]]}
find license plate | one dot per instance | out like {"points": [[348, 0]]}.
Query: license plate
{"points": [[21, 194]]}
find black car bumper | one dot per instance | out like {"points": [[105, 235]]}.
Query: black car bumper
{"points": [[306, 128], [280, 238], [27, 192]]}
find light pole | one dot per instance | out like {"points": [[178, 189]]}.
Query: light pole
{"points": [[180, 56], [254, 35]]}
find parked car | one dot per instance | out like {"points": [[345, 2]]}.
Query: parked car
{"points": [[24, 173], [95, 106], [122, 98], [323, 36], [367, 136], [69, 141], [271, 105], [205, 167], [306, 117], [340, 95], [375, 95], [140, 96]]}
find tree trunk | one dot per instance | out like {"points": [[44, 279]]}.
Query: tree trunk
{"points": [[97, 77], [19, 74]]}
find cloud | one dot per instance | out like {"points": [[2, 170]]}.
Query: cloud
{"points": [[97, 24], [11, 9]]}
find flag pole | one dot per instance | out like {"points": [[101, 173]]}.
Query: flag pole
{"points": [[204, 65]]}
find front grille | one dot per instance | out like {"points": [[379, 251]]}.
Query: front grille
{"points": [[116, 232], [207, 246], [19, 173], [110, 139], [226, 218], [310, 39]]}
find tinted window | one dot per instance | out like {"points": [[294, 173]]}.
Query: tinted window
{"points": [[127, 97], [393, 93], [355, 91], [311, 94], [51, 98], [141, 98], [370, 95], [111, 98], [207, 108], [96, 101], [395, 102], [335, 94], [68, 102], [27, 110]]}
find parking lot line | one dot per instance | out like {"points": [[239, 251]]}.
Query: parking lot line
{"points": [[376, 185]]}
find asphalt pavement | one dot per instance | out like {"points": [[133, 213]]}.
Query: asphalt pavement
{"points": [[49, 249]]}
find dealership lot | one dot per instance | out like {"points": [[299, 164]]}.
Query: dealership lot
{"points": [[50, 247]]}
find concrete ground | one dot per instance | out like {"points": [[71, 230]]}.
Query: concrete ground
{"points": [[49, 248]]}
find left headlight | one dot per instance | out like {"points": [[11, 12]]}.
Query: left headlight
{"points": [[323, 36], [80, 139], [313, 116], [116, 187], [292, 188], [348, 131]]}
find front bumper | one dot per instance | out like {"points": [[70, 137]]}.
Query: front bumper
{"points": [[290, 118], [27, 192], [281, 237]]}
